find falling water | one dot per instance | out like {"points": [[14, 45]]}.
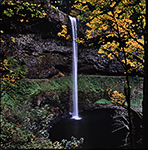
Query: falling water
{"points": [[75, 113]]}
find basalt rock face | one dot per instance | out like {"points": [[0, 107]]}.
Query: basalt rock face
{"points": [[44, 57], [48, 57], [90, 63]]}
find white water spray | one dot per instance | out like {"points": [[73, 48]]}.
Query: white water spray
{"points": [[75, 113]]}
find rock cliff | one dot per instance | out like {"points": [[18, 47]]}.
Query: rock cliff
{"points": [[47, 55]]}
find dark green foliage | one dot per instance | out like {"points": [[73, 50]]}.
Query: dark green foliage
{"points": [[90, 89], [12, 71], [63, 5], [24, 126], [17, 67], [74, 143], [95, 88], [19, 127], [103, 101]]}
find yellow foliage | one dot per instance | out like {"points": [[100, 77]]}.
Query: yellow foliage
{"points": [[8, 78], [113, 4], [110, 13], [13, 40], [101, 51], [2, 40], [116, 97], [63, 33], [21, 20], [68, 37], [80, 40], [115, 22]]}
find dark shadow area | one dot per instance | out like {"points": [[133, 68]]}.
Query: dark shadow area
{"points": [[95, 127]]}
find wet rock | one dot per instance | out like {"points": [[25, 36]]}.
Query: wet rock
{"points": [[41, 40], [48, 73], [43, 54]]}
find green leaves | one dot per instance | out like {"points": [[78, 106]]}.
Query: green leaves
{"points": [[24, 9], [1, 31], [8, 12], [12, 71], [103, 101]]}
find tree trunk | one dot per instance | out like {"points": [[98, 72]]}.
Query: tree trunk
{"points": [[127, 94], [145, 89]]}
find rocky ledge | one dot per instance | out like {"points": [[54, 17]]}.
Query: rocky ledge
{"points": [[47, 57]]}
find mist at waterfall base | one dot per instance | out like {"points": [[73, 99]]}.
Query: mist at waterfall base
{"points": [[75, 113], [95, 127]]}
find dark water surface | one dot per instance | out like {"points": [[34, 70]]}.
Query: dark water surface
{"points": [[95, 127]]}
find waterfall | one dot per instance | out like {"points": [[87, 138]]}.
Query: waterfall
{"points": [[75, 113]]}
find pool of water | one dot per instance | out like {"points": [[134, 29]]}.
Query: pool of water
{"points": [[95, 127]]}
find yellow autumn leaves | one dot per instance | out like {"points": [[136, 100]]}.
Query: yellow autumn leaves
{"points": [[116, 97], [80, 40], [111, 50], [2, 41], [113, 46], [12, 39], [63, 33], [8, 77], [22, 20], [112, 20]]}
